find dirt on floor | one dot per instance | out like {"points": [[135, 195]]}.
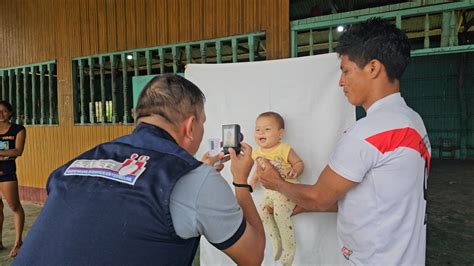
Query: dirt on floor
{"points": [[450, 239], [31, 212]]}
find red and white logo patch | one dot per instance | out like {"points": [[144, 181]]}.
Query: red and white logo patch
{"points": [[346, 252], [126, 172]]}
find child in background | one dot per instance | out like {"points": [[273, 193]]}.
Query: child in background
{"points": [[269, 130]]}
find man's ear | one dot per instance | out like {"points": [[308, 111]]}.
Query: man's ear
{"points": [[374, 67], [187, 127]]}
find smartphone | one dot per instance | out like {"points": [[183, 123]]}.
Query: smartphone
{"points": [[231, 138], [214, 145]]}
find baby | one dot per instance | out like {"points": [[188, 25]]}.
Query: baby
{"points": [[269, 130]]}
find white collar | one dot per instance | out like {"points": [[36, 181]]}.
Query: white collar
{"points": [[389, 99]]}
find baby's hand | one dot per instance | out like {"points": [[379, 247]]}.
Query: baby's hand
{"points": [[292, 173]]}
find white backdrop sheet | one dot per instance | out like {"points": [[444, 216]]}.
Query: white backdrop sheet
{"points": [[305, 92]]}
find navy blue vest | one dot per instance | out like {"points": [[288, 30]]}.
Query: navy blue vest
{"points": [[95, 215]]}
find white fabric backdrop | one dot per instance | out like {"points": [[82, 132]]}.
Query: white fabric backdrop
{"points": [[305, 92]]}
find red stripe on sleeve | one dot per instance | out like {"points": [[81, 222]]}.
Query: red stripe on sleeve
{"points": [[401, 137]]}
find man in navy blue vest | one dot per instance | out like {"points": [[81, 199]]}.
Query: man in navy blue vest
{"points": [[143, 199]]}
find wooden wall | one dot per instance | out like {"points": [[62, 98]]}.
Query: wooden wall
{"points": [[43, 30]]}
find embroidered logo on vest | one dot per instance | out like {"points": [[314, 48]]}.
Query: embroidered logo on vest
{"points": [[126, 172]]}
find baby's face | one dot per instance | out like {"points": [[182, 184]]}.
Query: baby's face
{"points": [[267, 132]]}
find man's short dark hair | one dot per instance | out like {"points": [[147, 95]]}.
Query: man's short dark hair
{"points": [[376, 39], [279, 119], [172, 97]]}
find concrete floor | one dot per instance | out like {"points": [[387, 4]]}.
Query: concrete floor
{"points": [[450, 239], [450, 215]]}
